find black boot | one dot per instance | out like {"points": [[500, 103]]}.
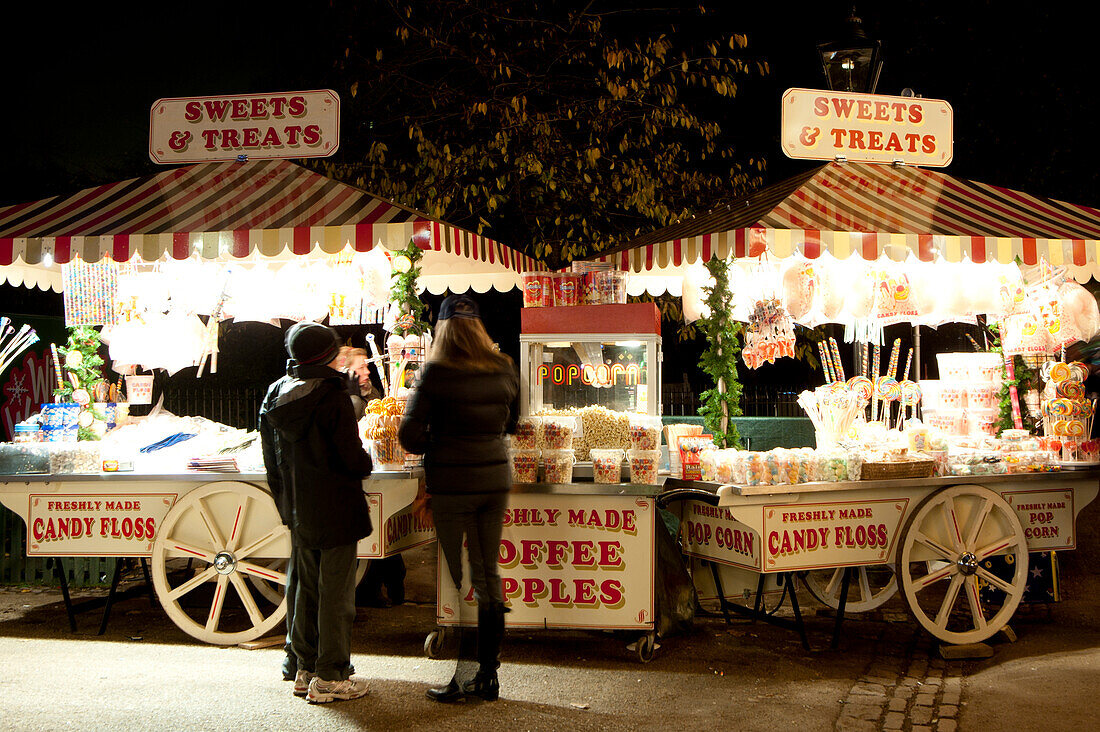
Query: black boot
{"points": [[490, 633], [450, 693]]}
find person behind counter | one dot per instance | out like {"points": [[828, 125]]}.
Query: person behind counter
{"points": [[467, 398], [315, 466], [388, 572]]}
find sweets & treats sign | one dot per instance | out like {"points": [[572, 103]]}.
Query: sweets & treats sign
{"points": [[866, 128], [283, 125]]}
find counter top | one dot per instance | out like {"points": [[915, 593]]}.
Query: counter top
{"points": [[588, 489], [191, 476]]}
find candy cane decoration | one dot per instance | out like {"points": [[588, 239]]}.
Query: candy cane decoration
{"points": [[836, 359]]}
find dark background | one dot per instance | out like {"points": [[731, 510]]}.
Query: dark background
{"points": [[79, 83]]}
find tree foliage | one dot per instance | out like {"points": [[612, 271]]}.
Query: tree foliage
{"points": [[557, 127], [719, 360]]}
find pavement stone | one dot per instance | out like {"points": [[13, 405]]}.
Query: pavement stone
{"points": [[921, 728], [920, 715], [898, 705], [865, 689], [903, 692], [950, 698], [948, 710], [924, 700], [850, 724], [947, 725], [894, 720], [868, 712]]}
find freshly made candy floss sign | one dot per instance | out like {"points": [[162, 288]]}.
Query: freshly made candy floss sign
{"points": [[568, 561]]}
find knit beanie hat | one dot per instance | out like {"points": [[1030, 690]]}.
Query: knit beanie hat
{"points": [[312, 343]]}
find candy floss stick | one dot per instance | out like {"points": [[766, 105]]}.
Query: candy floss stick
{"points": [[866, 354], [1013, 393], [895, 353], [908, 363], [875, 364], [836, 359], [824, 355]]}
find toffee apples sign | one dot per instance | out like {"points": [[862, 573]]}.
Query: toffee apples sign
{"points": [[302, 124], [866, 128]]}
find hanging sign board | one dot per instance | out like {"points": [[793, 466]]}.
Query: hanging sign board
{"points": [[283, 125], [866, 128]]}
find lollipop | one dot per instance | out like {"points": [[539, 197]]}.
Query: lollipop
{"points": [[1080, 371], [910, 393], [883, 386], [1070, 389], [1087, 409], [1059, 372], [1061, 427], [862, 387], [1075, 428], [1060, 407]]}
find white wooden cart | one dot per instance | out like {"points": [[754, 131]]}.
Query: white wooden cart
{"points": [[217, 546], [957, 546]]}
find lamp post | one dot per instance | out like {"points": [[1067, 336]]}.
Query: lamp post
{"points": [[853, 63]]}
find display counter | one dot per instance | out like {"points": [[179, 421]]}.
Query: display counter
{"points": [[956, 546], [198, 528]]}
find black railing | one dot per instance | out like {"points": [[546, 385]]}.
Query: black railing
{"points": [[236, 407]]}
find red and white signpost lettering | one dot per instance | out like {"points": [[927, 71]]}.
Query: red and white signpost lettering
{"points": [[866, 128], [569, 563], [833, 534], [91, 525], [283, 125]]}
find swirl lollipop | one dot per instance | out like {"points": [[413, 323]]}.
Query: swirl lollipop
{"points": [[1059, 372], [1060, 407], [1070, 389], [862, 387], [1080, 371]]}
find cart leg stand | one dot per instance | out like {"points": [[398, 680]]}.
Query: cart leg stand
{"points": [[844, 583], [59, 570], [111, 597]]}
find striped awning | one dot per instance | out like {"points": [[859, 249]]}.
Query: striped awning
{"points": [[269, 207], [871, 210]]}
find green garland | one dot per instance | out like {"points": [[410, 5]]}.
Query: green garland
{"points": [[719, 360], [403, 294], [84, 340], [1024, 379]]}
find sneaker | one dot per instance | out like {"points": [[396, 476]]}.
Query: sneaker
{"points": [[321, 691], [301, 682]]}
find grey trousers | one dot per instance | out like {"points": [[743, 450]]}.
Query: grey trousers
{"points": [[480, 518], [324, 610]]}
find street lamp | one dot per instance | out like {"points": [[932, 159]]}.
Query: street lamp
{"points": [[852, 64]]}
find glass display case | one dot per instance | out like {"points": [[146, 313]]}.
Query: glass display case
{"points": [[605, 355]]}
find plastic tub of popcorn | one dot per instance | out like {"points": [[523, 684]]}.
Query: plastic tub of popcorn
{"points": [[644, 465], [981, 395], [526, 434], [607, 465], [557, 432], [525, 465], [557, 466]]}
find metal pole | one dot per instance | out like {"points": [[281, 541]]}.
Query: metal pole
{"points": [[916, 351]]}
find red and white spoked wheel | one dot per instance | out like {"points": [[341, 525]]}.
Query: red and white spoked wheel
{"points": [[868, 587], [212, 539], [962, 563]]}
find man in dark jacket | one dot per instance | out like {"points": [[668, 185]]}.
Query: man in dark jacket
{"points": [[315, 467]]}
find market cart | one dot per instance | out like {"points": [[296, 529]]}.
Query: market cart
{"points": [[203, 533], [958, 545]]}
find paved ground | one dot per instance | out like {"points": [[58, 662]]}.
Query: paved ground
{"points": [[146, 674]]}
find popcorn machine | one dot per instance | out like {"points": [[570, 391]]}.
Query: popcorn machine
{"points": [[585, 355]]}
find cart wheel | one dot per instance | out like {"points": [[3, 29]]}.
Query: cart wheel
{"points": [[869, 588], [273, 591], [231, 530], [645, 647], [433, 644], [945, 545]]}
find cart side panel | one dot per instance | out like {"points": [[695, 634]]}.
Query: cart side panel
{"points": [[568, 561]]}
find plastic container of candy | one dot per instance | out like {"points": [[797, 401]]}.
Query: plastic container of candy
{"points": [[24, 458], [645, 432], [68, 458], [981, 395]]}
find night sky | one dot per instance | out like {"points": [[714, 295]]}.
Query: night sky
{"points": [[81, 83]]}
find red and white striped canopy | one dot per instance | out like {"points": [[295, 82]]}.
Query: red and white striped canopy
{"points": [[869, 210], [268, 207]]}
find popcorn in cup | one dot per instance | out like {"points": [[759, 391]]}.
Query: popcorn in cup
{"points": [[525, 466], [643, 466], [557, 432], [645, 432], [526, 433], [607, 465], [558, 466]]}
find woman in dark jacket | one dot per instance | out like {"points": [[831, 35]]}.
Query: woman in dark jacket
{"points": [[466, 400]]}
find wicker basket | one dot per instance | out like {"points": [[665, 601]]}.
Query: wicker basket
{"points": [[901, 469]]}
